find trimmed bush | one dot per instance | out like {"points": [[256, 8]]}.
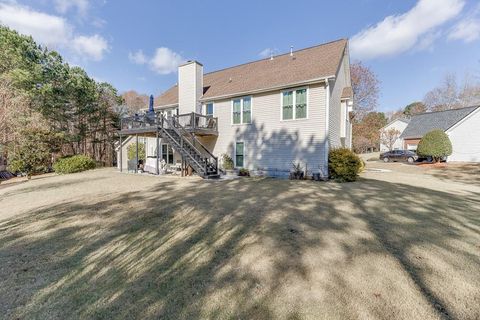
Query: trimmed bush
{"points": [[435, 144], [73, 164], [343, 165], [227, 162]]}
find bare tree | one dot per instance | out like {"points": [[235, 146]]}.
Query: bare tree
{"points": [[389, 137], [365, 85], [135, 101], [449, 95]]}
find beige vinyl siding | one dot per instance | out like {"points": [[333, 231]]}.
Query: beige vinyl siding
{"points": [[270, 143], [335, 120]]}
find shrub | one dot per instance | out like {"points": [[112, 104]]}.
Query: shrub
{"points": [[297, 173], [227, 162], [244, 172], [362, 166], [73, 164], [132, 151], [32, 153], [343, 165], [435, 144]]}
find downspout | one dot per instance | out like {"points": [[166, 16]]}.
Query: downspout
{"points": [[327, 124]]}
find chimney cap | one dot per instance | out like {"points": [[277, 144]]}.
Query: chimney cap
{"points": [[190, 62]]}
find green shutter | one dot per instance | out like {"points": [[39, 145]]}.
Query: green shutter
{"points": [[236, 111], [301, 104], [287, 105], [247, 110]]}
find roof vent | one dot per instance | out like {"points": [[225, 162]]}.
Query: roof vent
{"points": [[291, 51]]}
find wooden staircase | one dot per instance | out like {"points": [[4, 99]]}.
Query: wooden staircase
{"points": [[203, 162]]}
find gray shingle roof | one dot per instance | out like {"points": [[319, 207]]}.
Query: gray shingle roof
{"points": [[422, 123]]}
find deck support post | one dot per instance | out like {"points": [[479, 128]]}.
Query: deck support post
{"points": [[156, 162], [136, 158], [183, 167], [121, 153]]}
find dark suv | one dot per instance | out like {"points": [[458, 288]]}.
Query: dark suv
{"points": [[399, 155]]}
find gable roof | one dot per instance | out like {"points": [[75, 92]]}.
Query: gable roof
{"points": [[405, 120], [422, 123], [308, 64]]}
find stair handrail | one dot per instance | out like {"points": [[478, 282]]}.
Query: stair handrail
{"points": [[186, 133], [193, 115], [165, 119]]}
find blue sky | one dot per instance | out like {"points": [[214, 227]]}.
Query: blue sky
{"points": [[410, 44]]}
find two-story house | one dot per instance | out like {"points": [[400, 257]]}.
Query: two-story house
{"points": [[266, 115]]}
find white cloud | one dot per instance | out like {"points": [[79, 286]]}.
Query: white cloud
{"points": [[51, 30], [94, 47], [165, 61], [468, 29], [265, 53], [63, 6], [47, 29], [400, 33], [138, 57]]}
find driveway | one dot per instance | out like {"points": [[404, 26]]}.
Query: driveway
{"points": [[455, 177]]}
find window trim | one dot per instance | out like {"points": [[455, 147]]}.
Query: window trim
{"points": [[235, 154], [241, 111], [294, 104], [204, 109]]}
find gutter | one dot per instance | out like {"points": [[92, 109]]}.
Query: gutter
{"points": [[284, 86]]}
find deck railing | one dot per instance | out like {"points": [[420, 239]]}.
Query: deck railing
{"points": [[142, 121], [193, 121]]}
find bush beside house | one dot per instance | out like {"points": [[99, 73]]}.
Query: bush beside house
{"points": [[343, 165], [74, 164], [132, 151], [435, 144]]}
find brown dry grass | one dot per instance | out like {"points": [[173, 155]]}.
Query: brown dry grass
{"points": [[107, 245]]}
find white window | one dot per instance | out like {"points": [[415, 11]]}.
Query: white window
{"points": [[208, 109], [242, 110], [239, 154], [294, 104], [167, 153]]}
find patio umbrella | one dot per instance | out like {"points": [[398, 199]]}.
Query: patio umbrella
{"points": [[150, 107]]}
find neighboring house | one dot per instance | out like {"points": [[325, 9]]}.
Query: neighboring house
{"points": [[265, 114], [397, 124], [461, 125]]}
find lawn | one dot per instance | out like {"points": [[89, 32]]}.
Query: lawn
{"points": [[105, 245]]}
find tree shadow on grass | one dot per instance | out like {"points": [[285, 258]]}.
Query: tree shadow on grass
{"points": [[233, 249]]}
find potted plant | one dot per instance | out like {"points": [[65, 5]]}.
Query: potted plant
{"points": [[228, 165]]}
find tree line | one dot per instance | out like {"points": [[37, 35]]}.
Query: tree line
{"points": [[49, 109]]}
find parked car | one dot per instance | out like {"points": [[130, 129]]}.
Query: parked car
{"points": [[399, 155]]}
